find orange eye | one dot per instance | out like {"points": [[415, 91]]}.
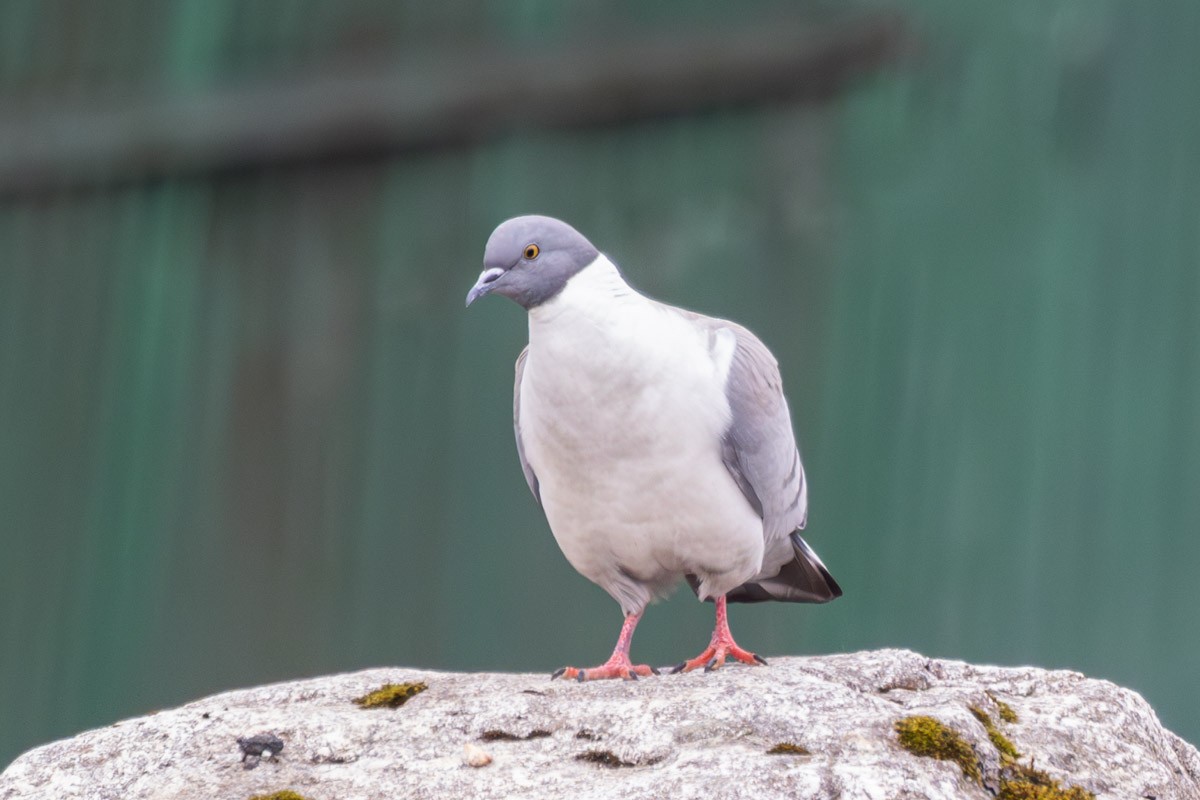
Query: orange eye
{"points": [[531, 252]]}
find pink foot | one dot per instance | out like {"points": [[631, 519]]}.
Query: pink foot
{"points": [[721, 646], [618, 664], [714, 657], [613, 668]]}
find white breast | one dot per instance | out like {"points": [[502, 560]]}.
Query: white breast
{"points": [[622, 412]]}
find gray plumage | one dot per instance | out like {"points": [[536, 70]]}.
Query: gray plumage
{"points": [[566, 252], [530, 478]]}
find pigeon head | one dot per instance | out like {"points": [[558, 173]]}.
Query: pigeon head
{"points": [[530, 259]]}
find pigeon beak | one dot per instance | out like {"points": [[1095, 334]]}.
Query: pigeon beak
{"points": [[487, 279]]}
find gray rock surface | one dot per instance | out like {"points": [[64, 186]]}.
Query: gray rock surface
{"points": [[680, 736]]}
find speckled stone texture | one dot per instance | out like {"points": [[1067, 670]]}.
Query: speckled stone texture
{"points": [[679, 736]]}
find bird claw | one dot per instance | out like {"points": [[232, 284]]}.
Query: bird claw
{"points": [[715, 655], [675, 670], [618, 668]]}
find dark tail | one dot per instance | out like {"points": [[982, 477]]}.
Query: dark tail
{"points": [[804, 579]]}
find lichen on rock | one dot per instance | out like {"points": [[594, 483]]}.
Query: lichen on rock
{"points": [[391, 695], [1003, 709], [1008, 751], [1019, 782], [927, 737]]}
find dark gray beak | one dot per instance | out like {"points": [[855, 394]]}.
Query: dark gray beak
{"points": [[487, 279]]}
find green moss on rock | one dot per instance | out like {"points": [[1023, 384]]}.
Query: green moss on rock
{"points": [[1018, 782], [1008, 751], [391, 695], [286, 794], [925, 736], [1003, 709]]}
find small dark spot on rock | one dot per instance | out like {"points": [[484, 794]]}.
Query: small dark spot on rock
{"points": [[286, 794], [607, 758], [505, 736], [912, 683], [533, 691], [206, 715], [391, 695], [789, 749], [590, 736], [339, 759]]}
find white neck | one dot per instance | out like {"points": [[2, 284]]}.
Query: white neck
{"points": [[594, 292]]}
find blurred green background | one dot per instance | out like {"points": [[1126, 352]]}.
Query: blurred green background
{"points": [[248, 432]]}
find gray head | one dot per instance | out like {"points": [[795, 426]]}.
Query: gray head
{"points": [[530, 259]]}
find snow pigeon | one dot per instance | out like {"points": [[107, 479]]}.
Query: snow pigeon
{"points": [[656, 440]]}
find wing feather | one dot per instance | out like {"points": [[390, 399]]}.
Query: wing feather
{"points": [[530, 477], [759, 448]]}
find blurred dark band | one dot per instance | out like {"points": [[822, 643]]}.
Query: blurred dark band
{"points": [[446, 97]]}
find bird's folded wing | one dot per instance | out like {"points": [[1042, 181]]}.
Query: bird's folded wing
{"points": [[530, 477], [759, 448]]}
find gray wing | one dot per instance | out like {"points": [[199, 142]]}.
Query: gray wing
{"points": [[759, 450], [530, 478]]}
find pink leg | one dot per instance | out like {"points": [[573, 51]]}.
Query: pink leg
{"points": [[720, 647], [618, 664]]}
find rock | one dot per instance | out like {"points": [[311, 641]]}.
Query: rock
{"points": [[817, 727]]}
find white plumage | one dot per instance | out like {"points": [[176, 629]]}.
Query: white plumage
{"points": [[622, 412]]}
